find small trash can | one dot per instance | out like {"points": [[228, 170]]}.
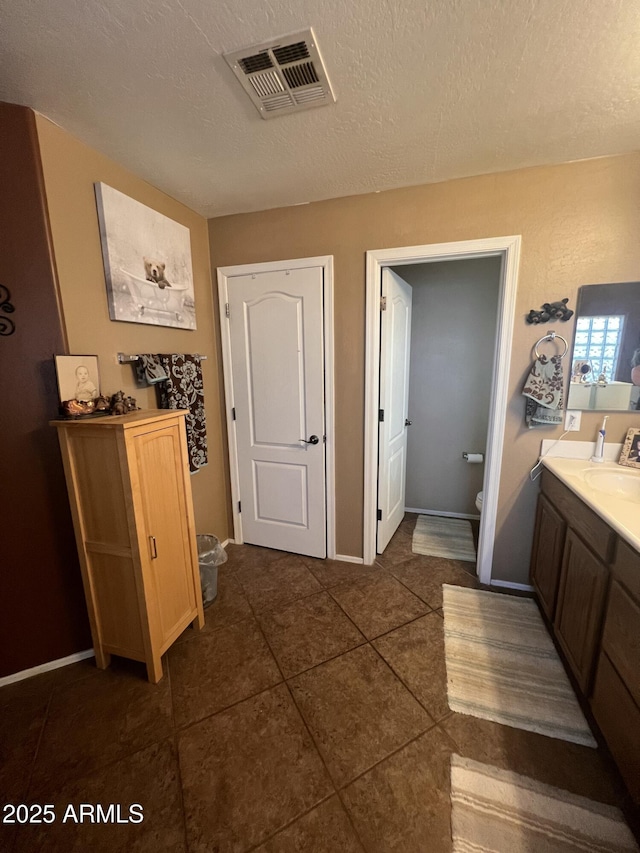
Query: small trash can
{"points": [[211, 554]]}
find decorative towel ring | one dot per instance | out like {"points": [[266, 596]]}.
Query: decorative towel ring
{"points": [[551, 336]]}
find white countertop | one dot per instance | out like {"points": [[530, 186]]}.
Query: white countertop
{"points": [[620, 512]]}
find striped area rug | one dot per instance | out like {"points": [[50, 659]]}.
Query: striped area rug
{"points": [[451, 538], [502, 665], [494, 810]]}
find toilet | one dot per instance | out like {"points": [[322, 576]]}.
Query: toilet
{"points": [[479, 498]]}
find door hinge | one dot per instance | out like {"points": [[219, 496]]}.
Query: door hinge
{"points": [[239, 506], [379, 515], [227, 312], [380, 415], [383, 303], [233, 413]]}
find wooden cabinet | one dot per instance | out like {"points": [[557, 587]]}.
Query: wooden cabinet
{"points": [[616, 693], [130, 493], [571, 548], [583, 584], [588, 584], [546, 560]]}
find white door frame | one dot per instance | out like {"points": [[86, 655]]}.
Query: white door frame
{"points": [[224, 276], [509, 249]]}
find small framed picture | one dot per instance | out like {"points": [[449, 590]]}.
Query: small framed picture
{"points": [[630, 455], [78, 377]]}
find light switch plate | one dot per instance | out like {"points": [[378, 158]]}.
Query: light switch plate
{"points": [[572, 425]]}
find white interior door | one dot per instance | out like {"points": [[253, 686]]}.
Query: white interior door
{"points": [[395, 345], [277, 355]]}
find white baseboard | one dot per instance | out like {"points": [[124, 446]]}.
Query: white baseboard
{"points": [[346, 559], [46, 667], [524, 587], [228, 542], [444, 514]]}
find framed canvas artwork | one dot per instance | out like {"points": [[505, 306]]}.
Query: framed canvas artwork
{"points": [[147, 262]]}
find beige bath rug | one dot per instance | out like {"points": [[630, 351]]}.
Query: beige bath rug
{"points": [[451, 538], [502, 665], [497, 810]]}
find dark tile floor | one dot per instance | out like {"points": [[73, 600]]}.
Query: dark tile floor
{"points": [[309, 715]]}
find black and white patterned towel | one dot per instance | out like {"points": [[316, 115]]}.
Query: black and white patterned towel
{"points": [[183, 389]]}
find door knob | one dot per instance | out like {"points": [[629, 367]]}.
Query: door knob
{"points": [[313, 439]]}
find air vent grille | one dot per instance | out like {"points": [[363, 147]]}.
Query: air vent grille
{"points": [[257, 62], [266, 84], [300, 75], [285, 75], [291, 53], [308, 95], [277, 103]]}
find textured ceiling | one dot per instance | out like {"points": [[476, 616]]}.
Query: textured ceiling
{"points": [[426, 91]]}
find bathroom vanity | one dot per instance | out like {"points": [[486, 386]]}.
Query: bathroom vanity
{"points": [[585, 568]]}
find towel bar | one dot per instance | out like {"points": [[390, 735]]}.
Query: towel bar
{"points": [[123, 358]]}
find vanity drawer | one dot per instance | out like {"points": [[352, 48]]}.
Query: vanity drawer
{"points": [[593, 531], [626, 568], [621, 638]]}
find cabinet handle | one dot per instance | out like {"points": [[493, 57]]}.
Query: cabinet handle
{"points": [[154, 547]]}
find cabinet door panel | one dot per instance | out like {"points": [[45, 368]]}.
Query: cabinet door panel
{"points": [[168, 569], [580, 604], [619, 719], [546, 559], [621, 637]]}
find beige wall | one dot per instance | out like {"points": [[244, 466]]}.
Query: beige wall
{"points": [[70, 170], [580, 224]]}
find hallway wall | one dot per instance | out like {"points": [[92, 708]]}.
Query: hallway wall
{"points": [[453, 331]]}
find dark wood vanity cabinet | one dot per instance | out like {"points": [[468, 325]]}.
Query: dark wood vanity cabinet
{"points": [[581, 596], [571, 546], [616, 693], [546, 559], [587, 581]]}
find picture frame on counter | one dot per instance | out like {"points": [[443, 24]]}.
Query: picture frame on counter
{"points": [[630, 455], [78, 377]]}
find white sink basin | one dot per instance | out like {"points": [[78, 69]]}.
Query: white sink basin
{"points": [[621, 484]]}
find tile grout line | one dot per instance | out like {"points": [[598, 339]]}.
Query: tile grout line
{"points": [[290, 823], [324, 763], [177, 754], [400, 678]]}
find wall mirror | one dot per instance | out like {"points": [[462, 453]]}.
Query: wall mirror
{"points": [[605, 364]]}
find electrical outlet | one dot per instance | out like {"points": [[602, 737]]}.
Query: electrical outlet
{"points": [[572, 421]]}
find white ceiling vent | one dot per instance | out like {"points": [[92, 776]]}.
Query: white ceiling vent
{"points": [[284, 75]]}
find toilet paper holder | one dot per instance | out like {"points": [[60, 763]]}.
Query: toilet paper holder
{"points": [[473, 457]]}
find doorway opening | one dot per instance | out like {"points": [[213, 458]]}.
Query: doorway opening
{"points": [[503, 254]]}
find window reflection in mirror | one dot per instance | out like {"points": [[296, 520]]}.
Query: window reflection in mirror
{"points": [[605, 364]]}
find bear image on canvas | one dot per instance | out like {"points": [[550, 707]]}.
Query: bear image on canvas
{"points": [[147, 262]]}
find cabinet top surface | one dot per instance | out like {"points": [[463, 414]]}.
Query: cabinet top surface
{"points": [[611, 490], [123, 421]]}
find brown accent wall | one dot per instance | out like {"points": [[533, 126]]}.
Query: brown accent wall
{"points": [[579, 224], [70, 170], [42, 611]]}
